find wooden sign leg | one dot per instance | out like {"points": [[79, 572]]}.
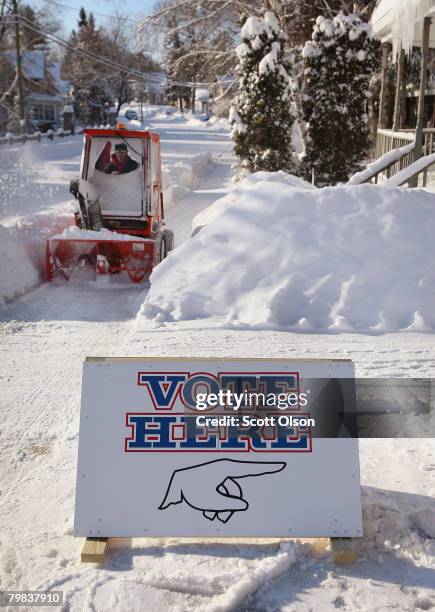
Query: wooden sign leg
{"points": [[94, 550], [343, 550]]}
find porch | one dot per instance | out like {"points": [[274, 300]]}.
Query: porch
{"points": [[401, 26]]}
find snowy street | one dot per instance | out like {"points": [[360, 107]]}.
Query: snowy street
{"points": [[46, 334]]}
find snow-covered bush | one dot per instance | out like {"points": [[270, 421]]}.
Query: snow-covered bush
{"points": [[340, 59], [261, 115]]}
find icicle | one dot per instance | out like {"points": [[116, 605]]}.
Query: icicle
{"points": [[404, 21]]}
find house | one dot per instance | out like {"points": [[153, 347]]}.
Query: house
{"points": [[44, 90]]}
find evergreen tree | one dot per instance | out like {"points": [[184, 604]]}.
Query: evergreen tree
{"points": [[91, 82], [95, 85], [83, 18], [261, 115], [340, 59]]}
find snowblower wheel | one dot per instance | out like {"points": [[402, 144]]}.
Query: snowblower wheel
{"points": [[162, 250], [168, 237]]}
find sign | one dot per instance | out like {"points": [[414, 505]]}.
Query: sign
{"points": [[217, 447]]}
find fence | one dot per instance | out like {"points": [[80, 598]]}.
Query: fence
{"points": [[37, 136]]}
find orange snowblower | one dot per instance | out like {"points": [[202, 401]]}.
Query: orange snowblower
{"points": [[119, 222]]}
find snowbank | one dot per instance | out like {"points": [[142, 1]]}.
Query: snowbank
{"points": [[210, 213], [180, 178], [17, 272], [220, 124], [398, 523], [275, 256]]}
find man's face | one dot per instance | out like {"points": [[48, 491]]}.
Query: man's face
{"points": [[121, 154]]}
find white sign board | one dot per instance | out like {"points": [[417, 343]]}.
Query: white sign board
{"points": [[152, 464]]}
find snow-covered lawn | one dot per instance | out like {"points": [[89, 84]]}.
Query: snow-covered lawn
{"points": [[45, 336]]}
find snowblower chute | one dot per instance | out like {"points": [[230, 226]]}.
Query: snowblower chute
{"points": [[119, 222]]}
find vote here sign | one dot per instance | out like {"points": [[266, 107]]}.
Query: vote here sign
{"points": [[218, 447]]}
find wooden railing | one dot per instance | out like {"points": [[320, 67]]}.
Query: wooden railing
{"points": [[381, 167], [409, 176], [387, 140]]}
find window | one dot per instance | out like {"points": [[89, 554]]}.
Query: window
{"points": [[38, 112], [44, 112], [49, 113]]}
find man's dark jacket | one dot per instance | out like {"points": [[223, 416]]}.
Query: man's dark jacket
{"points": [[116, 166]]}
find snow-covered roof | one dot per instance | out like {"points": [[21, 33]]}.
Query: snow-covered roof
{"points": [[32, 63], [225, 78], [62, 86], [400, 22]]}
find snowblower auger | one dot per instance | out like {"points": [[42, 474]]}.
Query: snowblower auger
{"points": [[134, 257], [119, 222]]}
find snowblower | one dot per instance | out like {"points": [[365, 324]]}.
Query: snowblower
{"points": [[119, 221]]}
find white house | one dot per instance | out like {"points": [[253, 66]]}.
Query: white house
{"points": [[45, 91]]}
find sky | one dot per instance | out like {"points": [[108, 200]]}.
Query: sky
{"points": [[67, 10]]}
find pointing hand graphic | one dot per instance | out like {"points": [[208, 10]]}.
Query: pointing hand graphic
{"points": [[213, 487]]}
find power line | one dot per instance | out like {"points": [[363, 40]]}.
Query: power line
{"points": [[76, 10], [105, 61]]}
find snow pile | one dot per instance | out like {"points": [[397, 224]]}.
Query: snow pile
{"points": [[219, 124], [281, 257], [210, 213], [395, 523], [17, 272], [75, 233], [180, 178]]}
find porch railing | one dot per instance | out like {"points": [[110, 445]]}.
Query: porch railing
{"points": [[388, 140]]}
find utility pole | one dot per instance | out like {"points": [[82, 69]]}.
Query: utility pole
{"points": [[19, 67]]}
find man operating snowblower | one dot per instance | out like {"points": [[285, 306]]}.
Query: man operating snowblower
{"points": [[120, 161]]}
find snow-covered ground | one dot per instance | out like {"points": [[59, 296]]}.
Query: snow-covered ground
{"points": [[44, 337]]}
